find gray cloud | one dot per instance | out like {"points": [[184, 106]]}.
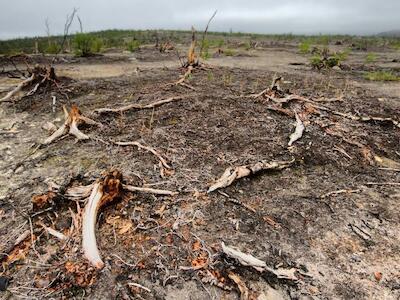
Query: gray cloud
{"points": [[26, 17]]}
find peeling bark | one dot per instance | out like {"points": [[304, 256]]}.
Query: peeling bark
{"points": [[298, 133]]}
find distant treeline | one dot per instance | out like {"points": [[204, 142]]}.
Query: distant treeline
{"points": [[123, 39]]}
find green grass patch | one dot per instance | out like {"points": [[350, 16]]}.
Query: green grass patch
{"points": [[229, 52], [381, 76], [370, 58]]}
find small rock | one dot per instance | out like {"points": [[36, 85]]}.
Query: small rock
{"points": [[336, 68], [19, 170], [378, 276], [4, 283]]}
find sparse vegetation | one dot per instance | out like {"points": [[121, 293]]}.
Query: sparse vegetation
{"points": [[370, 58], [324, 59], [133, 46], [305, 47], [86, 45], [229, 52], [381, 76]]}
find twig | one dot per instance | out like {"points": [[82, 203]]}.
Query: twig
{"points": [[148, 190], [138, 106], [150, 149], [139, 286], [383, 183]]}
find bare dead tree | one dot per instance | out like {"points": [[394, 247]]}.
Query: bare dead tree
{"points": [[205, 34], [80, 23], [67, 25], [47, 26]]}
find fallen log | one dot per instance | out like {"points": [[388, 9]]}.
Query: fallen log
{"points": [[137, 106], [18, 88], [73, 119], [261, 266], [232, 174]]}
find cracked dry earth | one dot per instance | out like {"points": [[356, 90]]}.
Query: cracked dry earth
{"points": [[333, 215]]}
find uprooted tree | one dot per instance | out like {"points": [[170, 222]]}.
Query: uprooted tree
{"points": [[38, 77]]}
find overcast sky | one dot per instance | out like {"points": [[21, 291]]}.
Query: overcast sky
{"points": [[20, 18]]}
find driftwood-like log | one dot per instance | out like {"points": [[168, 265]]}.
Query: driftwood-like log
{"points": [[101, 193], [137, 106], [261, 266], [104, 191], [73, 119], [18, 88], [231, 174]]}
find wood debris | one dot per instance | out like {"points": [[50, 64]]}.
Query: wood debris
{"points": [[147, 148], [138, 106], [73, 119], [244, 291], [102, 192], [298, 133], [251, 261], [231, 174], [38, 76]]}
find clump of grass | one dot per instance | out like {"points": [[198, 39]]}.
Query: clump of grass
{"points": [[381, 76], [133, 46], [305, 47], [370, 58], [229, 52], [53, 48], [324, 59]]}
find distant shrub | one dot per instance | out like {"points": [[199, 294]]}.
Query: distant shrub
{"points": [[205, 46], [381, 76], [229, 52], [324, 59], [83, 43], [133, 46], [370, 58], [305, 47], [97, 45], [53, 48]]}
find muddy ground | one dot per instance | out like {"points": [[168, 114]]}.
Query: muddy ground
{"points": [[344, 245]]}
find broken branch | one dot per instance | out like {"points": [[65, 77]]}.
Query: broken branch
{"points": [[259, 265], [137, 106], [152, 150], [232, 174]]}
